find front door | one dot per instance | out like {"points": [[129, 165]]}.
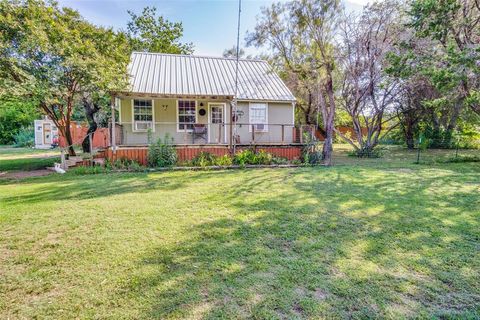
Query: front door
{"points": [[216, 126]]}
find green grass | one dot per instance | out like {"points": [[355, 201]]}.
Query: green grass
{"points": [[26, 159], [360, 240]]}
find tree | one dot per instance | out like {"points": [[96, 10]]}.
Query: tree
{"points": [[301, 33], [14, 115], [55, 57], [232, 53], [368, 93], [453, 29], [150, 33]]}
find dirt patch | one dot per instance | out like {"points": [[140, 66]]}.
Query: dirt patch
{"points": [[17, 175]]}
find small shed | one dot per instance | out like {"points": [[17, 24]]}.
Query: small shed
{"points": [[46, 134]]}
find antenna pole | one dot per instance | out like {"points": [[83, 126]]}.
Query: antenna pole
{"points": [[234, 109]]}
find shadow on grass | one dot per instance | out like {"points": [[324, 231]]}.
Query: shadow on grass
{"points": [[27, 164], [74, 187], [330, 245]]}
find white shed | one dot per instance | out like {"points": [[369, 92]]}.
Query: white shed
{"points": [[46, 134]]}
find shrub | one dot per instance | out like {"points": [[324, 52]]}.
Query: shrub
{"points": [[224, 160], [248, 156], [125, 164], [204, 159], [311, 153], [279, 160], [25, 137], [162, 153]]}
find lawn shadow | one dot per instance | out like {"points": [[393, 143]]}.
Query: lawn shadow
{"points": [[328, 246], [75, 187]]}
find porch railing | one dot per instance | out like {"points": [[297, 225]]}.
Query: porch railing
{"points": [[183, 133]]}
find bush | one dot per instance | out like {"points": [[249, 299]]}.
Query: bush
{"points": [[248, 156], [311, 153], [279, 160], [162, 153], [206, 159], [25, 137], [224, 161]]}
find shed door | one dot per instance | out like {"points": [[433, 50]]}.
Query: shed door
{"points": [[47, 133], [38, 132]]}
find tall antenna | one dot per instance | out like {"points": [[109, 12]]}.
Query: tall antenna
{"points": [[234, 116]]}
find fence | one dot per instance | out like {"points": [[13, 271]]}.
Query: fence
{"points": [[182, 133]]}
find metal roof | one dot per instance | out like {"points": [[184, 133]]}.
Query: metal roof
{"points": [[172, 74]]}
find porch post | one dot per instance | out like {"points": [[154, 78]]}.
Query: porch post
{"points": [[231, 126], [113, 142]]}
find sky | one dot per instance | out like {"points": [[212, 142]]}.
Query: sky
{"points": [[211, 25]]}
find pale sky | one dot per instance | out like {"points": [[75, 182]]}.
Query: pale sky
{"points": [[209, 24]]}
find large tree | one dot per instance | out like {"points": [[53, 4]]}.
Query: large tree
{"points": [[450, 60], [301, 33], [53, 56], [368, 92], [151, 33]]}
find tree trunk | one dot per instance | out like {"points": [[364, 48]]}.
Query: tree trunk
{"points": [[69, 139], [90, 110], [328, 114], [328, 145]]}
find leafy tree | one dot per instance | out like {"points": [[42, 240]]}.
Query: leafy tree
{"points": [[232, 53], [301, 33], [451, 61], [53, 56], [150, 33], [14, 115], [368, 93]]}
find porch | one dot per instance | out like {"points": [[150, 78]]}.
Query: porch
{"points": [[213, 134], [188, 152]]}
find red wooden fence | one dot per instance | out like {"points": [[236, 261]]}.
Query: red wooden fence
{"points": [[101, 137]]}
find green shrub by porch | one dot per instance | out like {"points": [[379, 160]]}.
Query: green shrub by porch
{"points": [[162, 153]]}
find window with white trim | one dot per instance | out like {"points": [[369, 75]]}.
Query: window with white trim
{"points": [[258, 116], [186, 114], [142, 114]]}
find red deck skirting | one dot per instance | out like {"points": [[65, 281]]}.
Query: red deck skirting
{"points": [[186, 153]]}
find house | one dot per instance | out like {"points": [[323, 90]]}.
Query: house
{"points": [[192, 99]]}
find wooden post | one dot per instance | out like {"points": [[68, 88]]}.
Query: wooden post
{"points": [[185, 133], [253, 133], [113, 140], [283, 134], [220, 125], [231, 126]]}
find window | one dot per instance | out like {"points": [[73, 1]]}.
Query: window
{"points": [[186, 114], [142, 114], [258, 116], [217, 114]]}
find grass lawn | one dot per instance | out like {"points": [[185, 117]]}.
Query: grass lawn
{"points": [[384, 239], [14, 159]]}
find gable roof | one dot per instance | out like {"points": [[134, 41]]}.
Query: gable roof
{"points": [[172, 74]]}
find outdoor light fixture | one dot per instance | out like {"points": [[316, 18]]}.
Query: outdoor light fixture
{"points": [[164, 106], [201, 104]]}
